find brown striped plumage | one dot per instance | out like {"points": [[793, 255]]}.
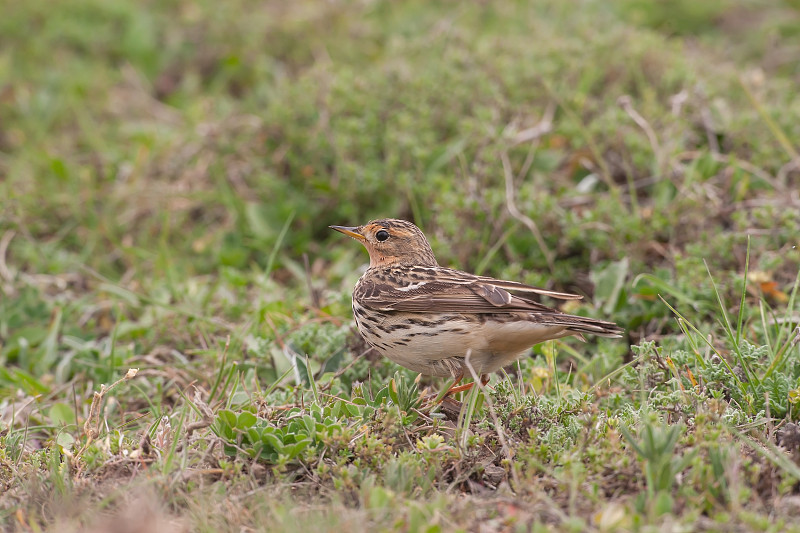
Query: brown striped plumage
{"points": [[431, 319]]}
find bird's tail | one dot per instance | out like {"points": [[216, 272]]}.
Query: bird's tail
{"points": [[592, 326]]}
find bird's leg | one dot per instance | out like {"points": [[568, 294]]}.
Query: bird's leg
{"points": [[458, 375], [448, 405], [461, 388]]}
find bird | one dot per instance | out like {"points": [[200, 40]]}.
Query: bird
{"points": [[440, 321]]}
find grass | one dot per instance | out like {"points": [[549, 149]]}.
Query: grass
{"points": [[169, 171]]}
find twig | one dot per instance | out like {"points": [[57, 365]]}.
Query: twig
{"points": [[782, 176], [770, 424], [512, 209], [498, 428], [91, 428], [677, 101], [708, 125], [5, 273], [207, 415], [625, 103], [542, 128]]}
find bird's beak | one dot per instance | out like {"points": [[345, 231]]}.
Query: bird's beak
{"points": [[351, 231]]}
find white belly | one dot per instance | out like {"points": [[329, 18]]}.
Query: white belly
{"points": [[421, 342]]}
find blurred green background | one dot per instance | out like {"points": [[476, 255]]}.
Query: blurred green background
{"points": [[167, 164], [152, 136], [168, 170], [192, 154]]}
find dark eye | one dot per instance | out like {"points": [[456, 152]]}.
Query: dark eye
{"points": [[382, 235]]}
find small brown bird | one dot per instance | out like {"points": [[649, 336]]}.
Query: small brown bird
{"points": [[434, 320]]}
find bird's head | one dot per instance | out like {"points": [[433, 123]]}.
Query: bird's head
{"points": [[391, 242]]}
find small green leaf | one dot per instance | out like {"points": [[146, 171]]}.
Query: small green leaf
{"points": [[296, 449], [663, 503], [310, 424], [246, 420], [255, 434], [227, 417], [273, 441], [65, 441], [61, 414]]}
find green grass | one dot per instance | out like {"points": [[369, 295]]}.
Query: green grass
{"points": [[167, 175]]}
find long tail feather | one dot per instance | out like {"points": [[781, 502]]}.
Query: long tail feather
{"points": [[592, 326]]}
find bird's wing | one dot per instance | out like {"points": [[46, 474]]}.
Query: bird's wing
{"points": [[448, 291], [521, 287]]}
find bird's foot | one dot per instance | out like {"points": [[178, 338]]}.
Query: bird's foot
{"points": [[456, 388]]}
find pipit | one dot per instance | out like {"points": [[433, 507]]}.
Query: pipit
{"points": [[437, 321]]}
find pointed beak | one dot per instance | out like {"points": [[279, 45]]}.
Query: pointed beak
{"points": [[350, 231]]}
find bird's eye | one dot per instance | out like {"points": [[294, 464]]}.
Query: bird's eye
{"points": [[382, 235]]}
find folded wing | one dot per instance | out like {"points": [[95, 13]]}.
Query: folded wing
{"points": [[448, 291]]}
